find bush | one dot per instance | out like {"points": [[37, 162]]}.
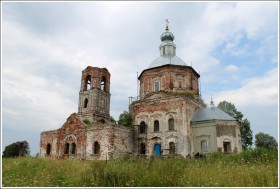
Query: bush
{"points": [[86, 121]]}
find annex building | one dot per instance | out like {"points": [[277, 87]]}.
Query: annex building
{"points": [[169, 117]]}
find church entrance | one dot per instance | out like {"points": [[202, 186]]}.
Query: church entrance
{"points": [[157, 149], [227, 147]]}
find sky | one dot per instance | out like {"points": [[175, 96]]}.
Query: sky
{"points": [[46, 45]]}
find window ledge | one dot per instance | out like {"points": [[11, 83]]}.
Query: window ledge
{"points": [[171, 130]]}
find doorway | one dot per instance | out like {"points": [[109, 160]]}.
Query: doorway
{"points": [[227, 147], [157, 149]]}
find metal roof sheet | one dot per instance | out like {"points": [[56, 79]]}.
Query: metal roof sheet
{"points": [[164, 60], [211, 113]]}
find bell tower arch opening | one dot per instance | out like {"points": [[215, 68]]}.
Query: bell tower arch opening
{"points": [[103, 84], [87, 84]]}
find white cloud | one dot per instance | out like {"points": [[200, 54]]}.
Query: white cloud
{"points": [[261, 91], [231, 67]]}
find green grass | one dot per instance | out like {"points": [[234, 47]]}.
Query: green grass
{"points": [[252, 168]]}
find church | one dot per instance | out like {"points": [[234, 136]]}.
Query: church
{"points": [[169, 117]]}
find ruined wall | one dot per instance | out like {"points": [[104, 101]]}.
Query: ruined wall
{"points": [[161, 107], [103, 135], [48, 137], [72, 132], [114, 141], [170, 78], [123, 141]]}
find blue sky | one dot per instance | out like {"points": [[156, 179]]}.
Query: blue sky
{"points": [[46, 45]]}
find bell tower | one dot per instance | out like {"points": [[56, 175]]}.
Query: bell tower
{"points": [[94, 96]]}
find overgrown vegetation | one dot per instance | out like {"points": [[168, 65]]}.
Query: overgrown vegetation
{"points": [[125, 119], [190, 94], [86, 121], [251, 168]]}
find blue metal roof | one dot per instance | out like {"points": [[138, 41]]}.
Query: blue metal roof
{"points": [[211, 113]]}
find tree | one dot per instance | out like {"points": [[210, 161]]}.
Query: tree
{"points": [[246, 132], [265, 140], [231, 110], [113, 120], [20, 148], [125, 119]]}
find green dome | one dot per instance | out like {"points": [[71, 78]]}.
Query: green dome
{"points": [[167, 36]]}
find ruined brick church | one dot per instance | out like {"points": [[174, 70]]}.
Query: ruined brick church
{"points": [[169, 118]]}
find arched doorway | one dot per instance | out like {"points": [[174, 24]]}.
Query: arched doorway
{"points": [[157, 149]]}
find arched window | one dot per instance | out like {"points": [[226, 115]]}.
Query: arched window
{"points": [[171, 124], [142, 148], [96, 148], [85, 103], [156, 125], [204, 146], [48, 149], [88, 82], [103, 84], [66, 148], [143, 127], [171, 148], [73, 148]]}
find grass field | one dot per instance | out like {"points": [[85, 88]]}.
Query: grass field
{"points": [[254, 168]]}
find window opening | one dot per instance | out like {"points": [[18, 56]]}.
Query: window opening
{"points": [[171, 124], [171, 148], [142, 148], [85, 103], [96, 148], [66, 148], [73, 150], [88, 82], [156, 126], [143, 127], [48, 149], [103, 84], [156, 85], [204, 146]]}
